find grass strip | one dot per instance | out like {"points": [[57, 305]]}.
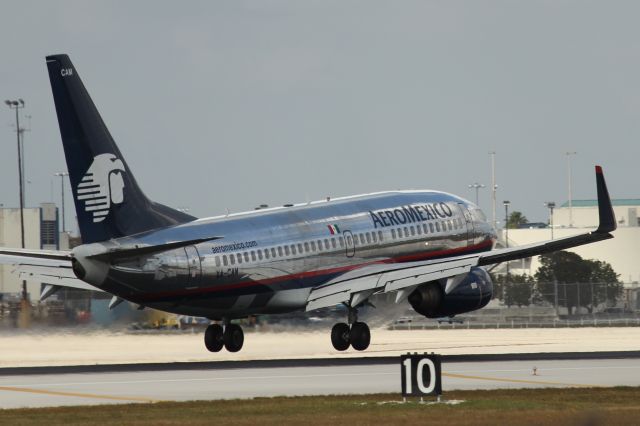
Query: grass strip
{"points": [[553, 406]]}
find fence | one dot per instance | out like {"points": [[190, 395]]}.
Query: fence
{"points": [[573, 297]]}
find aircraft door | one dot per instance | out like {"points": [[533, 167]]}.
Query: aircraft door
{"points": [[349, 243], [468, 220], [195, 267]]}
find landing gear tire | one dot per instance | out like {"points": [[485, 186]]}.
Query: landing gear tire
{"points": [[340, 336], [213, 338], [233, 337], [360, 336]]}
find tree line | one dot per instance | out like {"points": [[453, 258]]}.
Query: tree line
{"points": [[564, 278]]}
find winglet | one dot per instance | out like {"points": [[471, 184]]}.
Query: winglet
{"points": [[605, 209]]}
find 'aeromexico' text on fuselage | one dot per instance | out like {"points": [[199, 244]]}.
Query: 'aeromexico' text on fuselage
{"points": [[410, 214]]}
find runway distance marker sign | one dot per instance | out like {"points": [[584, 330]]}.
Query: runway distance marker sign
{"points": [[421, 375]]}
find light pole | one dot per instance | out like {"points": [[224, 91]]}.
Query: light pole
{"points": [[569, 154], [477, 187], [17, 105], [506, 240], [62, 176], [494, 187], [24, 155], [550, 205], [506, 204]]}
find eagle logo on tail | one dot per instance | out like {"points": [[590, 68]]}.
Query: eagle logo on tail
{"points": [[102, 185]]}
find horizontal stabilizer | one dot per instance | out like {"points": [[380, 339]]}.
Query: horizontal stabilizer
{"points": [[9, 255], [52, 275], [119, 252]]}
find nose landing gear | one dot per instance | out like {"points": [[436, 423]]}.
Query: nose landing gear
{"points": [[357, 335], [231, 337]]}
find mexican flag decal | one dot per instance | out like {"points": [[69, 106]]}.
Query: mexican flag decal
{"points": [[333, 229]]}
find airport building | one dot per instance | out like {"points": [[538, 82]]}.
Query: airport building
{"points": [[40, 232], [621, 251], [584, 213]]}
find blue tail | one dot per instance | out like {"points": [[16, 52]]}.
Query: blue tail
{"points": [[109, 202]]}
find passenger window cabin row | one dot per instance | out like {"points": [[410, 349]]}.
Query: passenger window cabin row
{"points": [[314, 246], [427, 228], [362, 239]]}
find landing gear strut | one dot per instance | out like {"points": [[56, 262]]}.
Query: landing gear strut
{"points": [[231, 337], [357, 335]]}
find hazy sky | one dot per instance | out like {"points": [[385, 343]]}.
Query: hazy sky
{"points": [[230, 104]]}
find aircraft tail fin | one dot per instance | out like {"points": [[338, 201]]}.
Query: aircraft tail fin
{"points": [[109, 203]]}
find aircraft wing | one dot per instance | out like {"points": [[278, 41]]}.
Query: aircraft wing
{"points": [[358, 285], [354, 287]]}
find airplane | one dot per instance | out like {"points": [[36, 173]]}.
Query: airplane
{"points": [[430, 248]]}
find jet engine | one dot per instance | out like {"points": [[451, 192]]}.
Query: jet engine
{"points": [[452, 296]]}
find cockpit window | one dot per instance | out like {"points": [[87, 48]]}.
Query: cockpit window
{"points": [[478, 215]]}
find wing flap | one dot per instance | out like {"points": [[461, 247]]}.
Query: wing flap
{"points": [[398, 280]]}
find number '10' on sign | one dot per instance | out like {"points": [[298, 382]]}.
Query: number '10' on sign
{"points": [[421, 375]]}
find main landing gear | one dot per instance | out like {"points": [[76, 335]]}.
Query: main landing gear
{"points": [[357, 335], [231, 337]]}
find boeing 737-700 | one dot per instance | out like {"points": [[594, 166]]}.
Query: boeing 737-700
{"points": [[430, 248]]}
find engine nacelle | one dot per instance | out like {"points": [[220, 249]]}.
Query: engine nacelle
{"points": [[467, 293]]}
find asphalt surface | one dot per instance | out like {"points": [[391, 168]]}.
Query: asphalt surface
{"points": [[89, 385]]}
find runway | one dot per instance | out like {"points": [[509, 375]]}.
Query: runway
{"points": [[57, 386]]}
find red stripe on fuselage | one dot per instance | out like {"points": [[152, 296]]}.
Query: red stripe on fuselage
{"points": [[487, 244]]}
